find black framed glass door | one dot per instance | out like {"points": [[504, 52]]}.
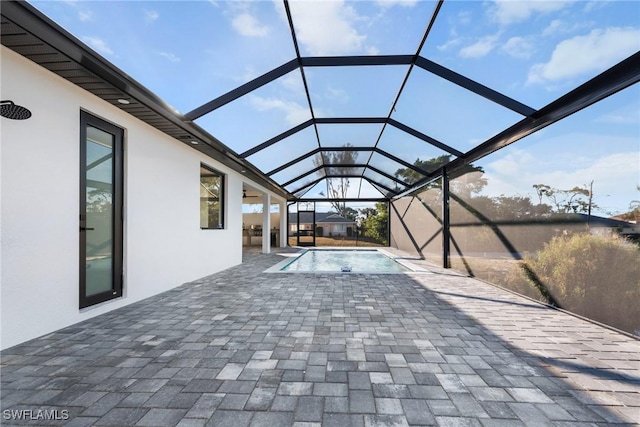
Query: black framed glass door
{"points": [[101, 169], [306, 225]]}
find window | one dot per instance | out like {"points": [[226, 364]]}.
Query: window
{"points": [[211, 198]]}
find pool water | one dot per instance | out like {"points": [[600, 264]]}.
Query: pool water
{"points": [[355, 261]]}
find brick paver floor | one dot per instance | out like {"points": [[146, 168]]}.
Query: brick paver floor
{"points": [[245, 348]]}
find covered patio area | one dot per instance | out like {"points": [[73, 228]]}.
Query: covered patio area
{"points": [[240, 349]]}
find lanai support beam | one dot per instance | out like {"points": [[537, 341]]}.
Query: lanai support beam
{"points": [[446, 221], [246, 88], [475, 87], [277, 138], [266, 223], [284, 221]]}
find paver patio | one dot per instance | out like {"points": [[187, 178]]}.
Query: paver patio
{"points": [[244, 348]]}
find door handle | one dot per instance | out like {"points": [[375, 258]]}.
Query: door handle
{"points": [[86, 228]]}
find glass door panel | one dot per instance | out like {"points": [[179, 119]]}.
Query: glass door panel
{"points": [[306, 228], [99, 216], [100, 207]]}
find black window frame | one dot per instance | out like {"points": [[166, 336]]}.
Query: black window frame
{"points": [[221, 198]]}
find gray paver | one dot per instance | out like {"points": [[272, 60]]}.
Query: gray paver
{"points": [[389, 406], [222, 418], [417, 412], [205, 406], [234, 401], [270, 419], [385, 421], [361, 401], [284, 403], [295, 388], [121, 417], [336, 404], [332, 350], [310, 408], [261, 399], [330, 389], [158, 417], [342, 420]]}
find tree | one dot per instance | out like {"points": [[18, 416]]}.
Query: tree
{"points": [[517, 207], [597, 276], [634, 210], [576, 199], [465, 181], [367, 212], [350, 213], [337, 163], [210, 190], [376, 222], [410, 176], [99, 200]]}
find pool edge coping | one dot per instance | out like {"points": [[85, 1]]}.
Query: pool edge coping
{"points": [[291, 257]]}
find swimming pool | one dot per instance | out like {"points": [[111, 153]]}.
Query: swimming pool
{"points": [[343, 260]]}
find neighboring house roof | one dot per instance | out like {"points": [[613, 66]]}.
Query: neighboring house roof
{"points": [[324, 217], [593, 220], [627, 217]]}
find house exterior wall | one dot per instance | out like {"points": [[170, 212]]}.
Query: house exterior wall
{"points": [[327, 227], [163, 243]]}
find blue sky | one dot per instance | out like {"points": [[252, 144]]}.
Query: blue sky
{"points": [[189, 52]]}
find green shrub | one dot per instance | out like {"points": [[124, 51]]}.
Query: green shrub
{"points": [[594, 276]]}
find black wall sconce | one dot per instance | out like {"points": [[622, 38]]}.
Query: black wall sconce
{"points": [[12, 111]]}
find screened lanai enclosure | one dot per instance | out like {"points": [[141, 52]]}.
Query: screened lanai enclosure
{"points": [[498, 138]]}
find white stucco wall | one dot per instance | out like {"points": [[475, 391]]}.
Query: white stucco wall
{"points": [[39, 160]]}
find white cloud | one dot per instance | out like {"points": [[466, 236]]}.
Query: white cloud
{"points": [[448, 44], [554, 27], [558, 26], [328, 27], [98, 45], [372, 50], [294, 112], [623, 117], [169, 56], [248, 25], [464, 17], [85, 16], [337, 94], [518, 47], [510, 12], [595, 5], [391, 3], [588, 53], [248, 75], [511, 164], [480, 48], [627, 114], [151, 15], [518, 171], [293, 83]]}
